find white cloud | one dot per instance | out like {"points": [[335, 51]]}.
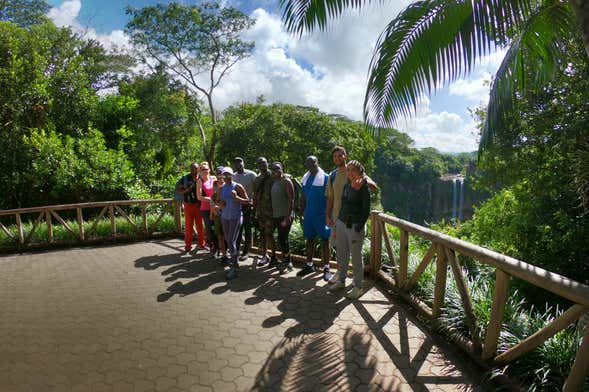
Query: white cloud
{"points": [[325, 70], [476, 87], [445, 131], [66, 15]]}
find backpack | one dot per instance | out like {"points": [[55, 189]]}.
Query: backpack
{"points": [[179, 196], [298, 195], [332, 176]]}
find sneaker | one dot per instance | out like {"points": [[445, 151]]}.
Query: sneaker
{"points": [[263, 261], [282, 267], [307, 269], [327, 275], [336, 285], [244, 256], [334, 278], [232, 273], [355, 293]]}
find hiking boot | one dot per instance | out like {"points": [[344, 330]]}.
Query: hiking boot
{"points": [[327, 275], [263, 261], [273, 262], [284, 266], [232, 273], [355, 293], [307, 269]]}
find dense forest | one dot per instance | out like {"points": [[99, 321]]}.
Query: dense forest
{"points": [[80, 123]]}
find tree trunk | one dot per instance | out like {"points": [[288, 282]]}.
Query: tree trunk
{"points": [[213, 141], [582, 10]]}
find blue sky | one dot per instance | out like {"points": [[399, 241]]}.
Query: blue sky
{"points": [[326, 70]]}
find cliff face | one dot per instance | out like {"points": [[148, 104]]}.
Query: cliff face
{"points": [[447, 197]]}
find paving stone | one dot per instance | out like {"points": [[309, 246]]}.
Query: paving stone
{"points": [[144, 317]]}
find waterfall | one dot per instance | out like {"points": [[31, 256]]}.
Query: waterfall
{"points": [[461, 203], [454, 198]]}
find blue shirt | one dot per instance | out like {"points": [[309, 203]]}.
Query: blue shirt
{"points": [[232, 208], [316, 202]]}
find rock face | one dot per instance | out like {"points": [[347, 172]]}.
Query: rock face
{"points": [[448, 197]]}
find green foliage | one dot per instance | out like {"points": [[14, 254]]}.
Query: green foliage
{"points": [[64, 169], [288, 134]]}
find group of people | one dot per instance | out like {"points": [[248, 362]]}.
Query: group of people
{"points": [[334, 206]]}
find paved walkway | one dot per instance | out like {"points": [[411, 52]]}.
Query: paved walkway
{"points": [[143, 317]]}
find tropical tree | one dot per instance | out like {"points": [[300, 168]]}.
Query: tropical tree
{"points": [[23, 13], [433, 42], [195, 44]]}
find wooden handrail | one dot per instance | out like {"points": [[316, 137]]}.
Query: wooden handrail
{"points": [[443, 248], [83, 205], [558, 284], [49, 213]]}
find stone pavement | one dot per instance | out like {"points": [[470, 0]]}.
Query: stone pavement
{"points": [[144, 317]]}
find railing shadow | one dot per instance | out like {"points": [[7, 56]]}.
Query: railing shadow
{"points": [[328, 342]]}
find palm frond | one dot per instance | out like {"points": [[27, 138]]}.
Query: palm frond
{"points": [[305, 15], [531, 61], [432, 43]]}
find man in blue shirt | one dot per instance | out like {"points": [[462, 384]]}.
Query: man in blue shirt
{"points": [[314, 203]]}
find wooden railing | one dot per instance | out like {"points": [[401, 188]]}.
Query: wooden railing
{"points": [[444, 250], [50, 215]]}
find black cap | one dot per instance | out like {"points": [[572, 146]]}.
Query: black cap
{"points": [[240, 159]]}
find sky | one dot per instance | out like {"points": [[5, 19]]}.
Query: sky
{"points": [[325, 70]]}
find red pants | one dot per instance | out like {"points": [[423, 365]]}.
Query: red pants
{"points": [[192, 216]]}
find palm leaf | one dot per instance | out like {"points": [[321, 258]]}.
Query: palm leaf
{"points": [[432, 43], [531, 62], [305, 15]]}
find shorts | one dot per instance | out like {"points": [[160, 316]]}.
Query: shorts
{"points": [[314, 226], [266, 226]]}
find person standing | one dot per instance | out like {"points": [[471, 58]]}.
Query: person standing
{"points": [[350, 227], [187, 187], [233, 195], [335, 187], [216, 215], [282, 212], [314, 204], [263, 211], [246, 178], [204, 192]]}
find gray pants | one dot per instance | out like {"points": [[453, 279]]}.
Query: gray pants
{"points": [[348, 241]]}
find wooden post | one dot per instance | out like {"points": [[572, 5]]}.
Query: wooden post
{"points": [[580, 367], [387, 242], [80, 222], [377, 246], [465, 296], [21, 234], [178, 216], [403, 258], [49, 225], [531, 342], [144, 217], [440, 288], [113, 223], [429, 255], [497, 313]]}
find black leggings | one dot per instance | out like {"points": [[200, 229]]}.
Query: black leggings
{"points": [[210, 228], [282, 235]]}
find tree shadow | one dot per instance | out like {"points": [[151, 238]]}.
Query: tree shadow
{"points": [[311, 356]]}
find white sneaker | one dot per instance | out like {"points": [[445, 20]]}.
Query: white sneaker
{"points": [[263, 261], [335, 278], [355, 293]]}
